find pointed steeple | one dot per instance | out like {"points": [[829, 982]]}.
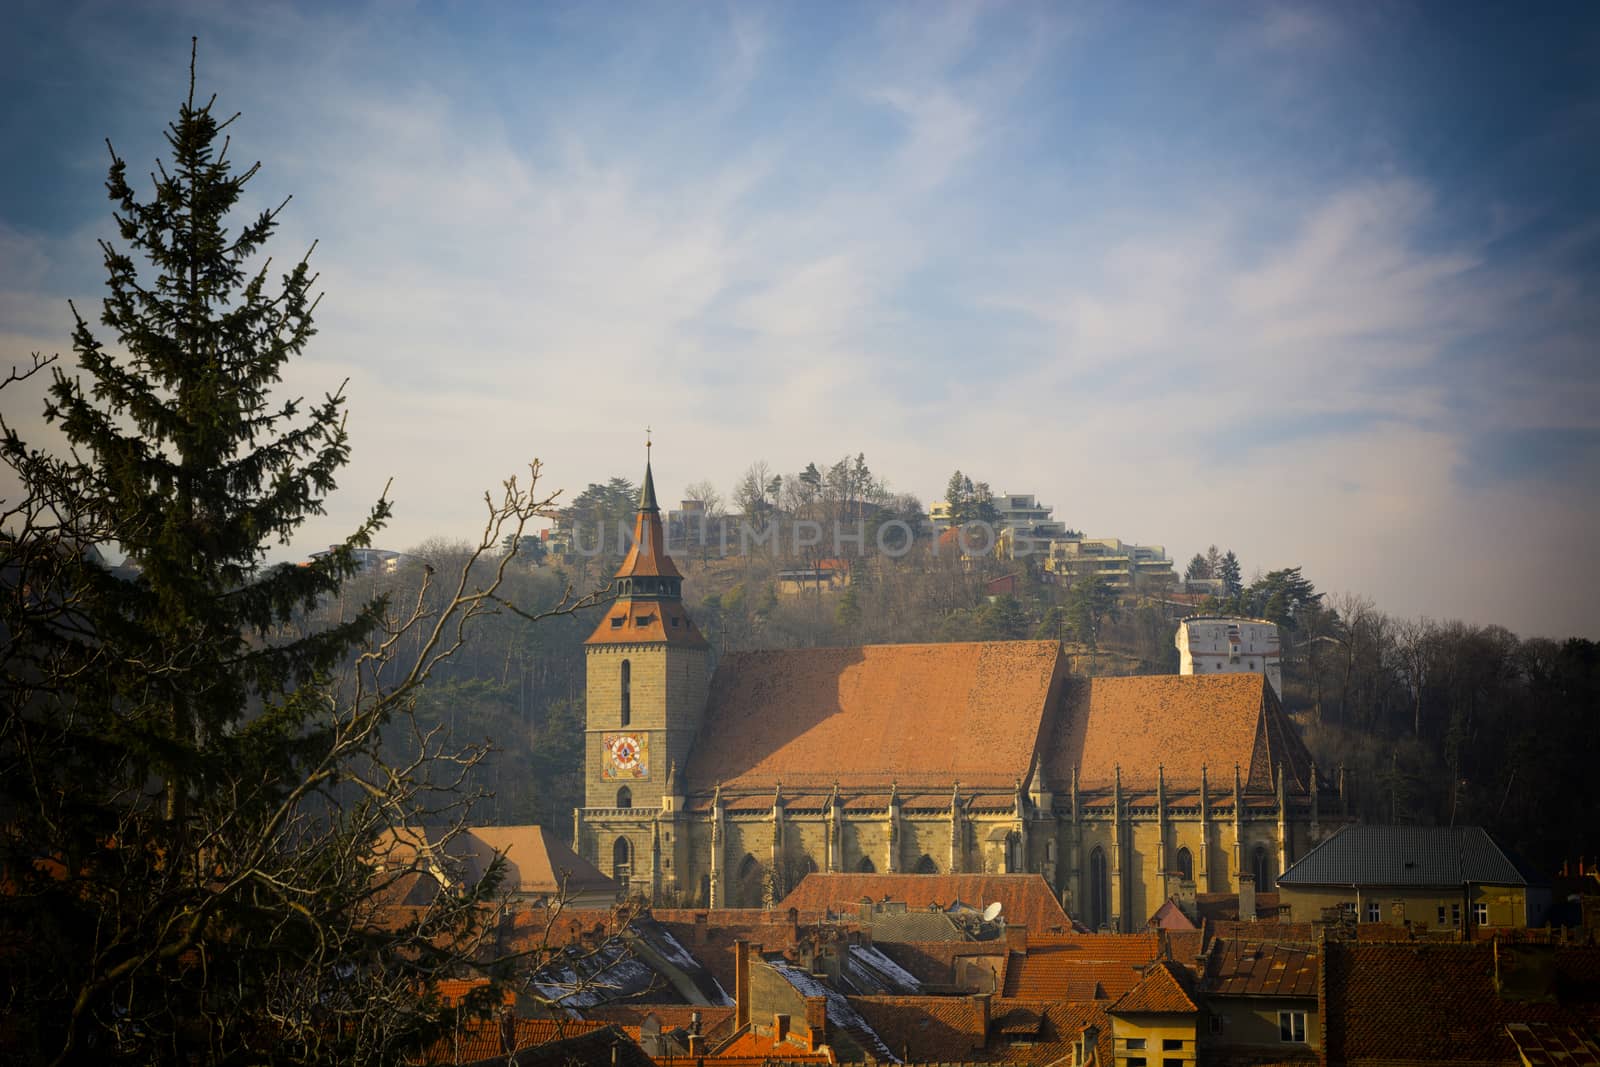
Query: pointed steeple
{"points": [[647, 494], [649, 586], [647, 557]]}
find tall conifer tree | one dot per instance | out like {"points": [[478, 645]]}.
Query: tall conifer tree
{"points": [[189, 803]]}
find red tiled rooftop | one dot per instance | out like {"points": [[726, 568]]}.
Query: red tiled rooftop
{"points": [[1265, 969], [1025, 899], [925, 1028], [1160, 992], [1079, 968], [714, 1021], [627, 622], [868, 716], [1436, 1002], [766, 1048], [1061, 1025], [481, 1039], [1179, 724]]}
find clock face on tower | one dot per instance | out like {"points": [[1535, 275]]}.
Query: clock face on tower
{"points": [[625, 756]]}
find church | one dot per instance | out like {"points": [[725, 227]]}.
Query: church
{"points": [[723, 784]]}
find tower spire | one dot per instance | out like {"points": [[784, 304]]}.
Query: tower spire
{"points": [[647, 492], [648, 585]]}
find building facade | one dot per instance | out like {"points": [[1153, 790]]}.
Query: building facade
{"points": [[1125, 568], [724, 788], [1216, 644], [1435, 878]]}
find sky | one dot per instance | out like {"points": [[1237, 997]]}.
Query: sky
{"points": [[1319, 283]]}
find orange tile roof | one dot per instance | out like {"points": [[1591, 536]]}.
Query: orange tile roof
{"points": [[866, 717], [537, 862], [1179, 723], [1062, 1023], [643, 622], [796, 1048], [1160, 992], [713, 1019], [647, 556], [925, 1028], [1438, 1002], [1261, 969], [481, 1039], [1025, 899], [454, 990], [1080, 968]]}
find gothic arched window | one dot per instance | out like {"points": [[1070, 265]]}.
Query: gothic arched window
{"points": [[621, 860], [1263, 870], [751, 883], [1185, 865], [925, 865], [627, 692], [1013, 853], [624, 797], [866, 866], [1099, 890]]}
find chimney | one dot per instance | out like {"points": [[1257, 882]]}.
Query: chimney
{"points": [[694, 1022], [780, 1026], [982, 1002], [865, 911], [1186, 899], [794, 925], [817, 1021], [1016, 937], [697, 1045], [1247, 898], [741, 983], [700, 928]]}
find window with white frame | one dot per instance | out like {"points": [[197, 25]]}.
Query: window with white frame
{"points": [[1292, 1026], [1480, 913], [1374, 912]]}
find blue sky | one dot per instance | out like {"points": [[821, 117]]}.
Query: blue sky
{"points": [[1315, 282]]}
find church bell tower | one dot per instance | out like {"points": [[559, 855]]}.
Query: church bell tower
{"points": [[647, 680]]}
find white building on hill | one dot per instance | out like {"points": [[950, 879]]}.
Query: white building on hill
{"points": [[1215, 644]]}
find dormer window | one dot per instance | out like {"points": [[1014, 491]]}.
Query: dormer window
{"points": [[644, 620], [617, 621]]}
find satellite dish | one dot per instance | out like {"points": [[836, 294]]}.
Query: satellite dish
{"points": [[992, 912]]}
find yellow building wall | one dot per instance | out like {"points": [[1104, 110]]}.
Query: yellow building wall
{"points": [[1145, 1039], [1507, 905], [1255, 1021]]}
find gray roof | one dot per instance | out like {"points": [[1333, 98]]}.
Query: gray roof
{"points": [[1406, 856]]}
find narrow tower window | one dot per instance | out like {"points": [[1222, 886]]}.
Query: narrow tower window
{"points": [[1099, 890], [1263, 866], [627, 695], [624, 797], [621, 860], [1185, 865]]}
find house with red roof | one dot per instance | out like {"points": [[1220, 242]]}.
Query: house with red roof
{"points": [[1156, 1022], [1261, 998]]}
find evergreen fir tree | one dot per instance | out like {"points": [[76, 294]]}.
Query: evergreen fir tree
{"points": [[1232, 582], [188, 879]]}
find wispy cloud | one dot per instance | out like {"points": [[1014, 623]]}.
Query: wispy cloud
{"points": [[1010, 241]]}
